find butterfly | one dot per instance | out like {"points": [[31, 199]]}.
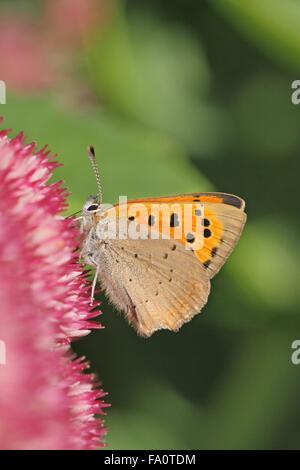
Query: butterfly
{"points": [[154, 269]]}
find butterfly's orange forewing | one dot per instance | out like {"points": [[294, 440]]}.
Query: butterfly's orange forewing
{"points": [[222, 219]]}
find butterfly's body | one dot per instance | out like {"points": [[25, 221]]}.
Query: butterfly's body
{"points": [[161, 280]]}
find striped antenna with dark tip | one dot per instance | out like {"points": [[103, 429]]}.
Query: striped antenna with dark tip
{"points": [[92, 157]]}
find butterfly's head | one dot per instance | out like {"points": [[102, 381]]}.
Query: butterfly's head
{"points": [[90, 207]]}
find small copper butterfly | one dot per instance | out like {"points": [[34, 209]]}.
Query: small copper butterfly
{"points": [[155, 257]]}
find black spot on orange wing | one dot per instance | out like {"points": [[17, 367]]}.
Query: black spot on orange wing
{"points": [[206, 222], [214, 251], [190, 237], [151, 220], [174, 222]]}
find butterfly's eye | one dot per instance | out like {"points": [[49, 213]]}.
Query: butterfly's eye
{"points": [[93, 207]]}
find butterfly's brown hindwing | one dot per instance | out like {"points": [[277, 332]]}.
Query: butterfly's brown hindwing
{"points": [[158, 284]]}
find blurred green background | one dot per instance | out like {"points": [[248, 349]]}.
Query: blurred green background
{"points": [[180, 96]]}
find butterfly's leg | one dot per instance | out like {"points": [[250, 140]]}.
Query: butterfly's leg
{"points": [[94, 284]]}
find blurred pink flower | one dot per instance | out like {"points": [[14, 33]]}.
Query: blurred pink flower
{"points": [[25, 63], [72, 20], [37, 55], [46, 400]]}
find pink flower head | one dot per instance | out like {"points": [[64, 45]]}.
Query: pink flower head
{"points": [[47, 400]]}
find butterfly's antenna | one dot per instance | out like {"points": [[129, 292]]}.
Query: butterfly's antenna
{"points": [[92, 157]]}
